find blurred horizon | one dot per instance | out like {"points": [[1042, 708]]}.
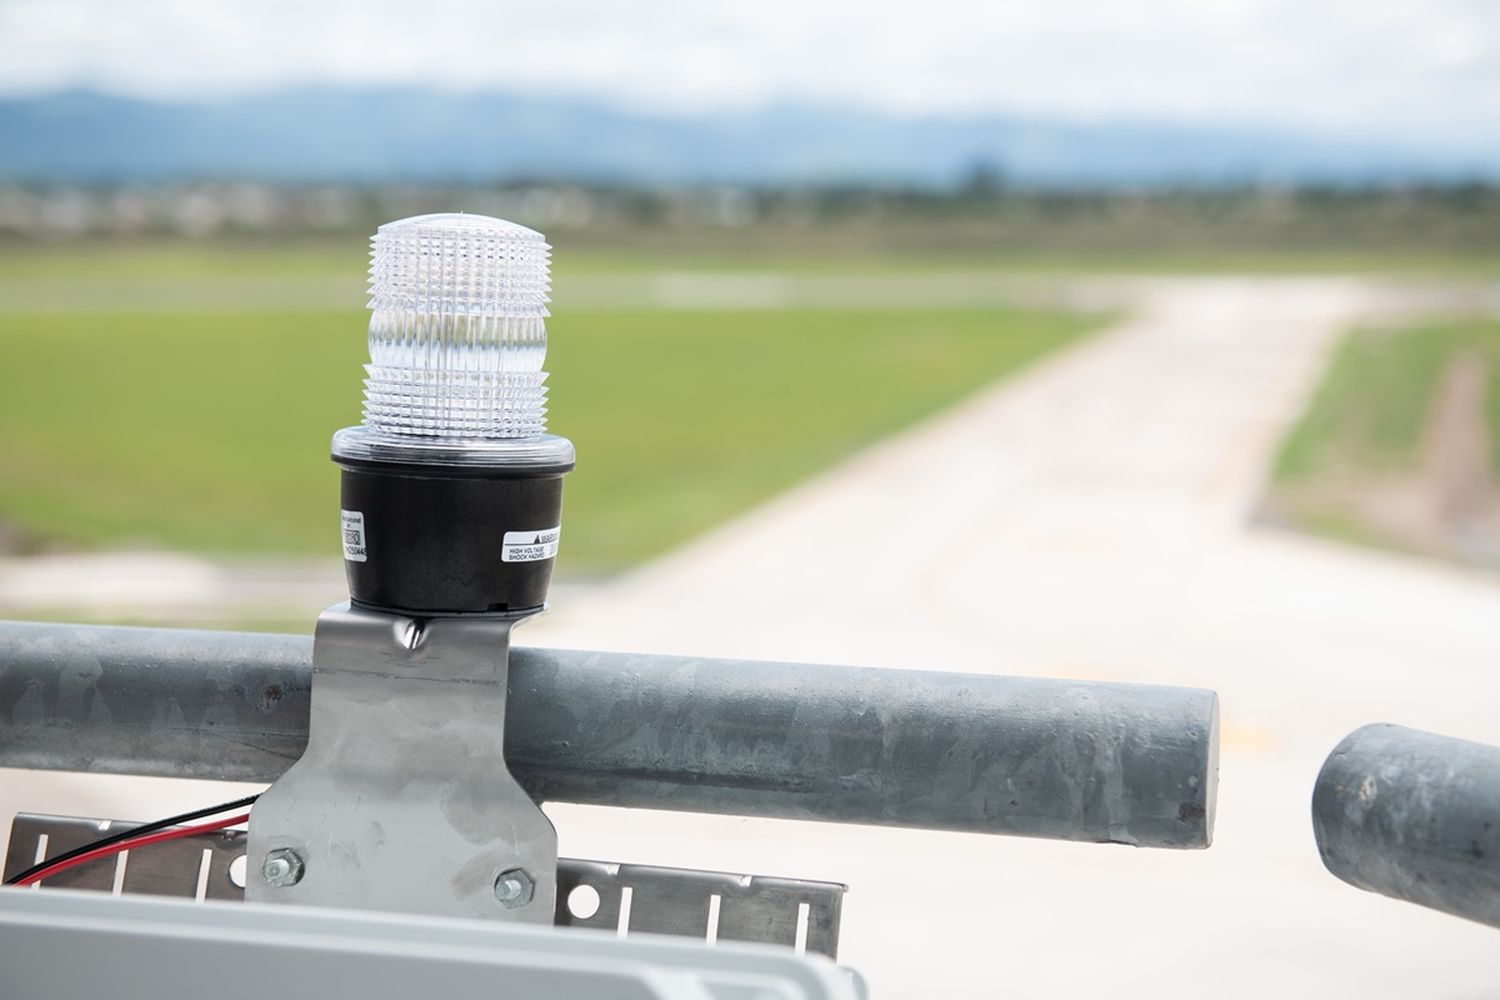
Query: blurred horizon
{"points": [[424, 133]]}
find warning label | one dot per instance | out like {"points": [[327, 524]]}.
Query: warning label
{"points": [[530, 546], [353, 524]]}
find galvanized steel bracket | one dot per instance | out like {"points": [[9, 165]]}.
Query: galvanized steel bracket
{"points": [[402, 800]]}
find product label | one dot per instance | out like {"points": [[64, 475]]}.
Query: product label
{"points": [[530, 546], [353, 524]]}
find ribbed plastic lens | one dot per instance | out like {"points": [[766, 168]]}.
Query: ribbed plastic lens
{"points": [[457, 329]]}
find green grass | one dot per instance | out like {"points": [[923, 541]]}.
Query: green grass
{"points": [[184, 261], [343, 260], [208, 431], [1367, 416]]}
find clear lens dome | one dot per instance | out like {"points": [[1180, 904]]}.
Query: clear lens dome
{"points": [[458, 307]]}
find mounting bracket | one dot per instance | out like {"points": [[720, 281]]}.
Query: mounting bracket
{"points": [[402, 800]]}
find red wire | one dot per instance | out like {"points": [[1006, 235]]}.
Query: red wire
{"points": [[130, 845]]}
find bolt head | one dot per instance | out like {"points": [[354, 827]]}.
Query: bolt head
{"points": [[282, 867], [514, 888]]}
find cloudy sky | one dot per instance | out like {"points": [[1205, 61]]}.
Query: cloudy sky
{"points": [[1381, 68]]}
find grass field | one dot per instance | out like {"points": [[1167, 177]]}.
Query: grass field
{"points": [[1382, 457], [309, 261], [1370, 410], [176, 425]]}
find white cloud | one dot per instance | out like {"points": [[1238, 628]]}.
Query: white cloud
{"points": [[1373, 67]]}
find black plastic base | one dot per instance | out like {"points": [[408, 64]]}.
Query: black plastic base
{"points": [[434, 539]]}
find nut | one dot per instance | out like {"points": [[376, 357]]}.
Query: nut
{"points": [[514, 888], [282, 867]]}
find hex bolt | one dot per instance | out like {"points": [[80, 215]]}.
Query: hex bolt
{"points": [[514, 888], [282, 867]]}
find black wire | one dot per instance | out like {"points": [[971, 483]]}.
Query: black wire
{"points": [[137, 831]]}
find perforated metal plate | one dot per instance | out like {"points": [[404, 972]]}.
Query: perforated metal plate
{"points": [[197, 867], [714, 906]]}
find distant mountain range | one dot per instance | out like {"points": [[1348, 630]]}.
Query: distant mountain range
{"points": [[410, 134]]}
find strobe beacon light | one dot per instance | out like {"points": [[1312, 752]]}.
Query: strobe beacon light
{"points": [[451, 488], [451, 495]]}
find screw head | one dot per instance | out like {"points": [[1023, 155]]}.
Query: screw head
{"points": [[514, 888], [282, 867]]}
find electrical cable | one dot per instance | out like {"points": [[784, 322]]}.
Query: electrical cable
{"points": [[56, 867], [41, 870]]}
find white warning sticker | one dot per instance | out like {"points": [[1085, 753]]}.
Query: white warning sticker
{"points": [[530, 546], [353, 524]]}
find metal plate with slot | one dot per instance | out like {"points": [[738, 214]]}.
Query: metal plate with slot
{"points": [[715, 905], [197, 867], [676, 901]]}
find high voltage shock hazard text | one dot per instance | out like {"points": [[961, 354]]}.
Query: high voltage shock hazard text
{"points": [[530, 546]]}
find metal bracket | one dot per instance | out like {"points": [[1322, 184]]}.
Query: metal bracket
{"points": [[402, 800], [631, 899], [722, 907]]}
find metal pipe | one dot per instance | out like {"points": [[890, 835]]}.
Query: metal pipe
{"points": [[1413, 816], [1069, 760]]}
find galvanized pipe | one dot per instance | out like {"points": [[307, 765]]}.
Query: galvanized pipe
{"points": [[1069, 760], [1414, 816]]}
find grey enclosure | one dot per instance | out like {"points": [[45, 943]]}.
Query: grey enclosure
{"points": [[1071, 760], [74, 945], [1414, 816]]}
